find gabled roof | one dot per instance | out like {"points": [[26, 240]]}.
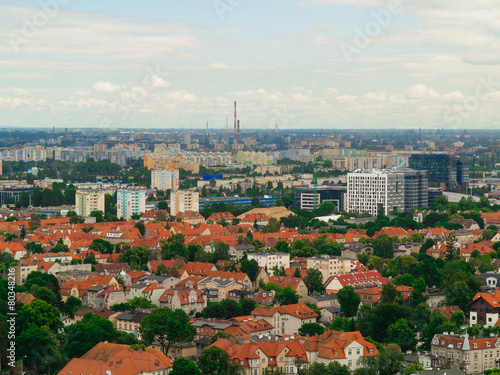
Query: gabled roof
{"points": [[331, 345]]}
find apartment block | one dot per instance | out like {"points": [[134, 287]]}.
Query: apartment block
{"points": [[183, 201], [87, 201], [366, 189], [271, 260], [354, 162], [330, 265], [165, 179], [475, 355], [129, 202]]}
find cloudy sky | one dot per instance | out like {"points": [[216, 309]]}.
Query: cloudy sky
{"points": [[298, 64]]}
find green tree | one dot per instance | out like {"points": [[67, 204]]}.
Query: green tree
{"points": [[34, 248], [390, 294], [286, 296], [273, 226], [99, 216], [162, 205], [382, 247], [333, 368], [184, 366], [250, 267], [400, 333], [221, 252], [166, 327], [311, 329], [137, 257], [41, 314], [349, 301], [414, 366], [101, 246], [215, 361], [141, 227], [141, 303], [437, 325], [40, 348], [457, 319], [314, 281], [247, 306], [255, 202], [458, 295], [87, 333], [45, 294], [72, 305]]}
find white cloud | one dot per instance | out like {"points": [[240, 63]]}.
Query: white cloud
{"points": [[159, 82], [106, 86]]}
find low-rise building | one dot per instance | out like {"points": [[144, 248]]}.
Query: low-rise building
{"points": [[347, 348], [330, 265], [286, 320], [256, 357], [295, 283], [271, 260], [107, 358]]}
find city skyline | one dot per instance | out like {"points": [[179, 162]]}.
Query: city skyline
{"points": [[297, 64]]}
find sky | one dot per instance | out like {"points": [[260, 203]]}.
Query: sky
{"points": [[324, 64]]}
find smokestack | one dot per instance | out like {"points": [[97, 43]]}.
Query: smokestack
{"points": [[238, 131], [235, 121]]}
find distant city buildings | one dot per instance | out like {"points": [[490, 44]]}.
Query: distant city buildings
{"points": [[165, 179], [89, 200], [304, 197], [25, 154], [129, 202], [444, 169], [183, 201]]}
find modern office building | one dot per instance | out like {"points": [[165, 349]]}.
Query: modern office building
{"points": [[366, 189], [183, 201], [87, 201], [444, 169], [416, 189], [165, 179], [129, 202], [304, 196]]}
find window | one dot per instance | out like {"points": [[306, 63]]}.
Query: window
{"points": [[349, 352], [350, 363], [358, 351]]}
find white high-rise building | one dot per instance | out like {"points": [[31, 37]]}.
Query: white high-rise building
{"points": [[165, 179], [368, 188], [183, 201], [87, 201], [129, 202]]}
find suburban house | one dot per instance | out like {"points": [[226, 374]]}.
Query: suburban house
{"points": [[107, 358], [286, 320], [347, 348], [360, 280], [256, 357]]}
